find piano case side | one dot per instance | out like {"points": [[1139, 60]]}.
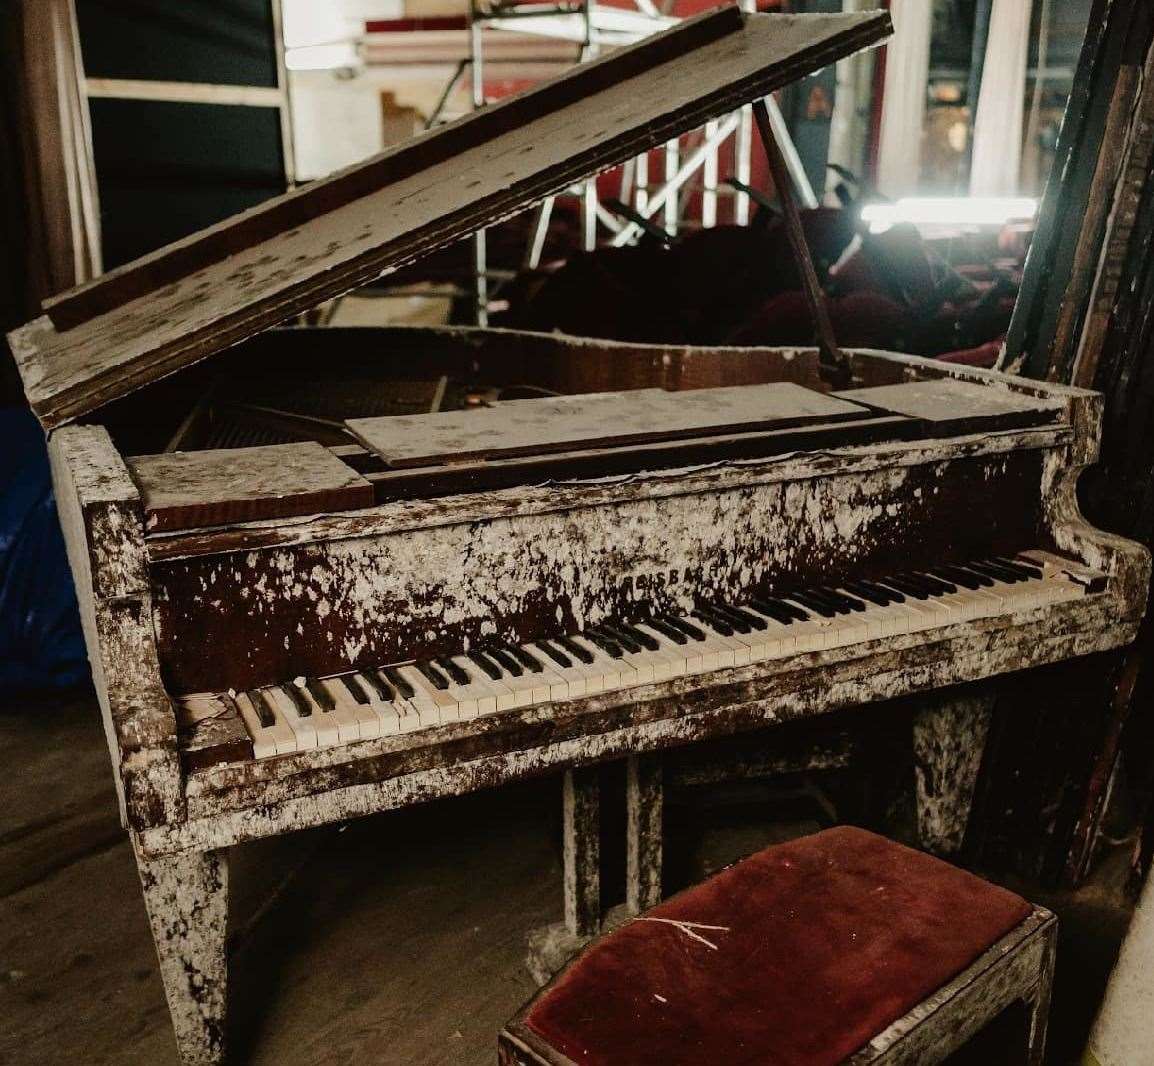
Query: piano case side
{"points": [[103, 524], [1127, 562]]}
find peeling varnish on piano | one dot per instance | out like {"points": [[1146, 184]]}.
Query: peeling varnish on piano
{"points": [[103, 525], [272, 796], [328, 606]]}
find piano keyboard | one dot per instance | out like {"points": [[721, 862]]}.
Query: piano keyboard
{"points": [[612, 655]]}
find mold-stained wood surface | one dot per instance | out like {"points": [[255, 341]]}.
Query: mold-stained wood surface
{"points": [[954, 407], [201, 295], [595, 420], [187, 490]]}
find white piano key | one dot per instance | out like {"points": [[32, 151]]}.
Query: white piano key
{"points": [[549, 684], [780, 641], [816, 633], [606, 668], [275, 739], [737, 647], [690, 655], [427, 700], [368, 721], [304, 727], [639, 662], [527, 689], [572, 680], [666, 664], [488, 695], [390, 716], [397, 714], [347, 723], [594, 680]]}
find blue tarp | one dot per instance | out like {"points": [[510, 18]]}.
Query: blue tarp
{"points": [[41, 644]]}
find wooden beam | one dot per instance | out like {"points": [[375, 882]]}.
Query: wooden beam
{"points": [[183, 92], [832, 357]]}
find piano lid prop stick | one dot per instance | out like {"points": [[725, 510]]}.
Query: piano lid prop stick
{"points": [[833, 359]]}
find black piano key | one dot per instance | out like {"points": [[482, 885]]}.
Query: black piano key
{"points": [[750, 619], [640, 636], [1023, 570], [322, 695], [894, 595], [780, 609], [998, 573], [983, 580], [395, 678], [874, 595], [260, 704], [1033, 569], [610, 647], [726, 615], [924, 585], [831, 599], [433, 675], [902, 584], [958, 577], [457, 674], [526, 659], [379, 685], [843, 598], [355, 690], [775, 609], [680, 624], [579, 653], [491, 669], [506, 660], [943, 587], [303, 707], [554, 653], [620, 636], [814, 603], [718, 625], [666, 630]]}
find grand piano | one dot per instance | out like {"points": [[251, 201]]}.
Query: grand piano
{"points": [[309, 596]]}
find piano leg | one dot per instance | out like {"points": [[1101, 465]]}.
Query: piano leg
{"points": [[581, 814], [187, 900], [644, 802], [949, 738]]}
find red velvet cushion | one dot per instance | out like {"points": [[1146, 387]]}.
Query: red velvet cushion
{"points": [[827, 940]]}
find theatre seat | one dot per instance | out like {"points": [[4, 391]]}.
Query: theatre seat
{"points": [[809, 953]]}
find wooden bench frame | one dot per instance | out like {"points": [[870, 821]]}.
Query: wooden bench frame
{"points": [[1017, 968]]}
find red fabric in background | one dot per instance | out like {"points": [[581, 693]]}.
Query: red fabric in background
{"points": [[829, 939]]}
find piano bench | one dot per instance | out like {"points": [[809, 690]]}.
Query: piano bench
{"points": [[838, 947]]}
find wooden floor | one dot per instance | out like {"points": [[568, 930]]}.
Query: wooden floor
{"points": [[399, 940]]}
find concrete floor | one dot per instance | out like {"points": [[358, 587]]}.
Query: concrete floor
{"points": [[398, 940]]}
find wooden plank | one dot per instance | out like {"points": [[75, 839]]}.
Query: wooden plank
{"points": [[599, 463], [197, 297], [600, 420], [952, 406], [191, 490], [183, 92]]}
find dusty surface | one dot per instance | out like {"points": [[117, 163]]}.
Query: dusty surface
{"points": [[400, 940]]}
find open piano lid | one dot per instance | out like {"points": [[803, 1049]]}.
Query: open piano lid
{"points": [[183, 303]]}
